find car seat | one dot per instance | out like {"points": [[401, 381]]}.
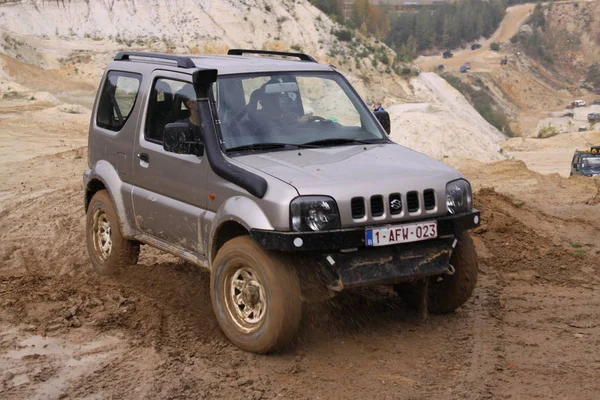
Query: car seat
{"points": [[161, 106], [180, 111]]}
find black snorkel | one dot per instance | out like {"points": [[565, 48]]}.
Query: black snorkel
{"points": [[254, 184]]}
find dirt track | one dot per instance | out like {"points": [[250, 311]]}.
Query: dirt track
{"points": [[531, 330], [516, 15]]}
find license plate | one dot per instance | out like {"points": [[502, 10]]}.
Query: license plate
{"points": [[406, 233]]}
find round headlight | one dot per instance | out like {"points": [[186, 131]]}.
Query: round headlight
{"points": [[314, 213], [458, 197]]}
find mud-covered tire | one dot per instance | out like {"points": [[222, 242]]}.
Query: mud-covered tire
{"points": [[447, 292], [109, 251], [256, 296]]}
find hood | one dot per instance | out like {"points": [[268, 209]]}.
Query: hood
{"points": [[356, 170]]}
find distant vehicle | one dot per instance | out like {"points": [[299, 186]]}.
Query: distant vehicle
{"points": [[571, 105], [440, 67], [579, 103], [586, 163], [447, 54], [468, 64], [596, 102], [586, 86], [568, 114], [475, 46], [593, 117], [582, 128], [463, 68]]}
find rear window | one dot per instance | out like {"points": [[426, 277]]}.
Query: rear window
{"points": [[117, 99]]}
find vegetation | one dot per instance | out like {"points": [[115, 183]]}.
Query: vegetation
{"points": [[447, 26], [495, 46], [480, 98], [593, 75], [547, 131], [538, 45]]}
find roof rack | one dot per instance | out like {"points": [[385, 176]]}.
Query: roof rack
{"points": [[182, 61], [301, 56]]}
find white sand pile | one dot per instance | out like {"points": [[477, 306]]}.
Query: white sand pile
{"points": [[73, 109], [202, 26], [10, 90], [447, 126], [250, 23]]}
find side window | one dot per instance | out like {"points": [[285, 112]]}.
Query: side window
{"points": [[117, 99], [166, 105]]}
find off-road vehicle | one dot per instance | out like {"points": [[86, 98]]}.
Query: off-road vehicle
{"points": [[593, 117], [587, 162], [273, 174]]}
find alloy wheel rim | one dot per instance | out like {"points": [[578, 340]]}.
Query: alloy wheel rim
{"points": [[102, 235], [246, 299]]}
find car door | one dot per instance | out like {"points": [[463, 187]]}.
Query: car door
{"points": [[575, 164], [169, 193]]}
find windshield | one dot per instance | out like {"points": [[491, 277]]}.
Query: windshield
{"points": [[591, 161], [291, 110]]}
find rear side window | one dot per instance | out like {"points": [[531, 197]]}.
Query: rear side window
{"points": [[117, 99]]}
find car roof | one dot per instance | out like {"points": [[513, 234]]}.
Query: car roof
{"points": [[227, 64], [224, 64]]}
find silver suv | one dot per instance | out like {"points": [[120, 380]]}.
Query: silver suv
{"points": [[274, 175]]}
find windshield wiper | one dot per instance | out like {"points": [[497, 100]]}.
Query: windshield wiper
{"points": [[270, 146], [340, 141]]}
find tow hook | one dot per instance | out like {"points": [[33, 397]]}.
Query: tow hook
{"points": [[450, 270]]}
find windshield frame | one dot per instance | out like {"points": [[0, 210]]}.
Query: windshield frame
{"points": [[349, 90]]}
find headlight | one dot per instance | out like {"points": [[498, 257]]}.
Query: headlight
{"points": [[458, 197], [314, 213]]}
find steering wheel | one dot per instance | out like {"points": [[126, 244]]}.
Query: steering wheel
{"points": [[313, 118], [316, 118]]}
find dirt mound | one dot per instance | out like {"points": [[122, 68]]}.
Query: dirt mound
{"points": [[513, 242]]}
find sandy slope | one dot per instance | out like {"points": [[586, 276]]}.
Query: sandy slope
{"points": [[446, 126], [150, 332]]}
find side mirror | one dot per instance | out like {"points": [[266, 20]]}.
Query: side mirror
{"points": [[384, 119], [179, 138], [575, 166]]}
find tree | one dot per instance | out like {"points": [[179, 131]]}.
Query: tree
{"points": [[363, 29], [537, 19], [593, 75], [360, 12], [412, 47]]}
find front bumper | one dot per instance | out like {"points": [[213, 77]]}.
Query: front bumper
{"points": [[343, 259], [351, 238]]}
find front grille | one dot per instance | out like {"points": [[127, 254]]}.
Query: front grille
{"points": [[429, 199], [395, 203], [412, 201], [377, 206], [357, 204]]}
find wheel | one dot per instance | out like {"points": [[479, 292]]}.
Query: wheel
{"points": [[255, 295], [447, 292], [109, 251]]}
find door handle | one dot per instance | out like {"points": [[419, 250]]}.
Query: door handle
{"points": [[144, 157]]}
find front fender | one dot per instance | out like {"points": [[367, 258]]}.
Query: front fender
{"points": [[119, 191], [242, 210]]}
